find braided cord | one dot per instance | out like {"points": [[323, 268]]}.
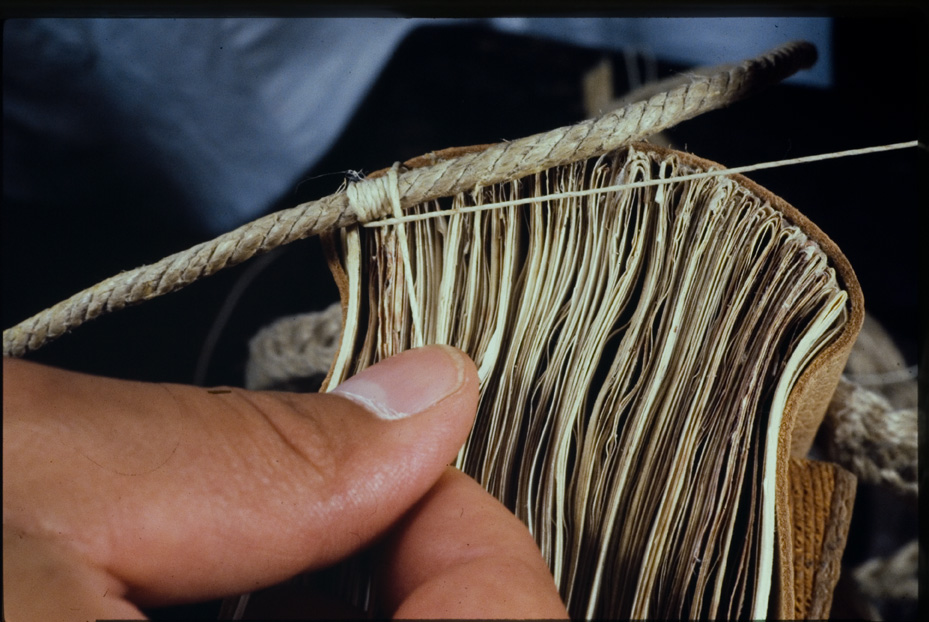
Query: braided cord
{"points": [[505, 161]]}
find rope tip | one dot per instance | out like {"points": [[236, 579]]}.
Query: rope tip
{"points": [[806, 53]]}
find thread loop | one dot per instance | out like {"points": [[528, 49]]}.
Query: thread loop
{"points": [[373, 198]]}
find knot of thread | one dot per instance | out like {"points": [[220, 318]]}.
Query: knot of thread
{"points": [[374, 198]]}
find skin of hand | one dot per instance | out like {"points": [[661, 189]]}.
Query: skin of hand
{"points": [[119, 494]]}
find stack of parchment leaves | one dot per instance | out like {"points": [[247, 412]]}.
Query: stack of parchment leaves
{"points": [[654, 364], [654, 358]]}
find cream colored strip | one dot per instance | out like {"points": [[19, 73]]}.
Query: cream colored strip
{"points": [[394, 192], [351, 241]]}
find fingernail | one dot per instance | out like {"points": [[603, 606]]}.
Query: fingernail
{"points": [[408, 383]]}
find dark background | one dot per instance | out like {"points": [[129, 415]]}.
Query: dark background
{"points": [[450, 86]]}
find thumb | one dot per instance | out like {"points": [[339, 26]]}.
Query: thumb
{"points": [[181, 493]]}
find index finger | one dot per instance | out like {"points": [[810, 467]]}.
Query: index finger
{"points": [[459, 553]]}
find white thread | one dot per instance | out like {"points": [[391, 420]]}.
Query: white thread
{"points": [[653, 182], [370, 199], [393, 188], [375, 198]]}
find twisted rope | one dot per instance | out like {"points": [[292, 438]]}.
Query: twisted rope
{"points": [[873, 440], [177, 270], [497, 163], [294, 347], [895, 577]]}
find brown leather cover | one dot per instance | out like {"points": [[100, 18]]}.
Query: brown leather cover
{"points": [[822, 495], [813, 499]]}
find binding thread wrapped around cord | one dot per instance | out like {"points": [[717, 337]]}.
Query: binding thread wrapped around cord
{"points": [[373, 198]]}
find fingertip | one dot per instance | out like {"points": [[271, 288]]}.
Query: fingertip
{"points": [[411, 382], [459, 553], [396, 426]]}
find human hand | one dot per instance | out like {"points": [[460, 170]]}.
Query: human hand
{"points": [[119, 495]]}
